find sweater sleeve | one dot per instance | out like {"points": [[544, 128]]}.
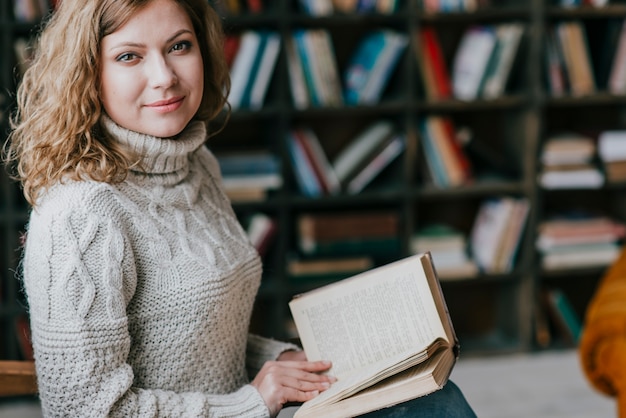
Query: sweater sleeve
{"points": [[261, 349], [79, 276]]}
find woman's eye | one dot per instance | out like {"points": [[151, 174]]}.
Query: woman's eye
{"points": [[181, 46], [126, 57]]}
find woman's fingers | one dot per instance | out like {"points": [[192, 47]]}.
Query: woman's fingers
{"points": [[280, 382]]}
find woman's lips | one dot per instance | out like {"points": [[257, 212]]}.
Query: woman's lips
{"points": [[165, 106]]}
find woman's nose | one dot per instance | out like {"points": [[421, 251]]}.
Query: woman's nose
{"points": [[161, 74]]}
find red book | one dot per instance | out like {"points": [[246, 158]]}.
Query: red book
{"points": [[231, 46], [432, 47], [255, 6], [299, 134], [460, 155]]}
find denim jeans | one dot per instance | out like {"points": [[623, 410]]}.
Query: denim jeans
{"points": [[447, 402]]}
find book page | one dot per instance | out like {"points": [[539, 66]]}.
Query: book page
{"points": [[369, 318]]}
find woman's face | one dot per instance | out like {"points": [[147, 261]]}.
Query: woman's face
{"points": [[152, 71]]}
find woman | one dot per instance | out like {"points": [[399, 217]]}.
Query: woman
{"points": [[139, 279]]}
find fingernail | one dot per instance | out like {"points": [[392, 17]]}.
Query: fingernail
{"points": [[326, 385]]}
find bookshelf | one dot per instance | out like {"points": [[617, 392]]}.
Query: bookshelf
{"points": [[493, 313]]}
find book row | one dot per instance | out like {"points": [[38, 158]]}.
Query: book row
{"points": [[583, 161], [310, 7], [336, 244]]}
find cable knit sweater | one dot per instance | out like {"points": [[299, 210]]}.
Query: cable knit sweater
{"points": [[140, 293]]}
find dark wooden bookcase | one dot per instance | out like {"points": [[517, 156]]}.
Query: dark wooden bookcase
{"points": [[492, 313]]}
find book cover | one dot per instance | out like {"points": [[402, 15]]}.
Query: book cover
{"points": [[345, 225], [470, 61], [304, 172], [317, 157], [384, 67], [387, 332], [381, 159], [297, 82], [434, 63], [317, 268], [370, 66], [300, 40], [244, 101], [263, 74], [242, 67], [434, 160], [493, 219], [325, 68], [509, 36], [562, 314], [261, 230], [616, 83], [361, 146]]}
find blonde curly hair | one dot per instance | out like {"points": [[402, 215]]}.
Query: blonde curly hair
{"points": [[56, 133]]}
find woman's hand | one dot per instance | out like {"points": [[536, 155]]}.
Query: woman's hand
{"points": [[292, 355], [284, 381]]}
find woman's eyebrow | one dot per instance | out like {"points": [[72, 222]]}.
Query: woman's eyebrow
{"points": [[140, 45]]}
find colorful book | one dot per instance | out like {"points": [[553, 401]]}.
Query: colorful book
{"points": [[371, 65]]}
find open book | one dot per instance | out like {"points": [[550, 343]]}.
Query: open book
{"points": [[388, 333]]}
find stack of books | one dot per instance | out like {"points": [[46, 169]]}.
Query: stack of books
{"points": [[568, 161], [250, 175], [612, 152], [575, 240], [449, 249], [497, 232], [371, 233]]}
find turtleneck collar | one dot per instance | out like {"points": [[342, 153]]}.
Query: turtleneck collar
{"points": [[159, 156]]}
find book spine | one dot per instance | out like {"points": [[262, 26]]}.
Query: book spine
{"points": [[264, 73], [360, 147], [377, 165], [305, 175]]}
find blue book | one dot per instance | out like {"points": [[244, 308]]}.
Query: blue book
{"points": [[254, 69], [299, 37], [305, 176], [431, 155], [248, 163], [371, 65]]}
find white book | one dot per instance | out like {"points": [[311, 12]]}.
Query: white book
{"points": [[579, 176], [394, 45], [492, 220], [617, 77], [264, 73], [360, 147], [471, 60], [241, 68], [376, 165], [509, 36], [612, 145], [297, 83]]}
